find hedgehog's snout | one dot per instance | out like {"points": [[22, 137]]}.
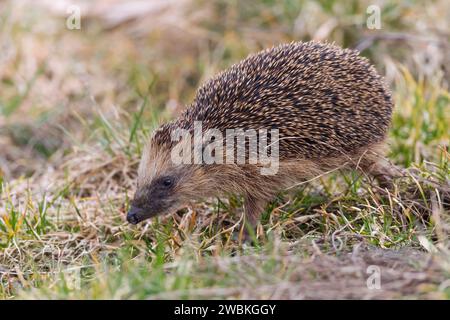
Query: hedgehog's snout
{"points": [[146, 207], [135, 215]]}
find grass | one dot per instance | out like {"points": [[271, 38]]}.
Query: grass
{"points": [[75, 112]]}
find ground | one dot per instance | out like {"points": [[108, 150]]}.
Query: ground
{"points": [[76, 107]]}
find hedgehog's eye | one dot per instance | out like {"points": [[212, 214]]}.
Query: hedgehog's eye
{"points": [[167, 182]]}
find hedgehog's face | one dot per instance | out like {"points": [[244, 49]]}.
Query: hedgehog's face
{"points": [[163, 187], [154, 198]]}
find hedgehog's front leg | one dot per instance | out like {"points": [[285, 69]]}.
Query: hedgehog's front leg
{"points": [[253, 208], [380, 170]]}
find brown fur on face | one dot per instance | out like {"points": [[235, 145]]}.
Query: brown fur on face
{"points": [[330, 106]]}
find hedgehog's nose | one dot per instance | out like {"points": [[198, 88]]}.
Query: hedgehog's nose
{"points": [[135, 215]]}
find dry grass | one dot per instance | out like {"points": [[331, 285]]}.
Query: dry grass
{"points": [[76, 107]]}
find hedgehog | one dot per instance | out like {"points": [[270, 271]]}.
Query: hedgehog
{"points": [[329, 106]]}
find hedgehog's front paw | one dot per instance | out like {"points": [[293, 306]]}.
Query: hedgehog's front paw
{"points": [[248, 235]]}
